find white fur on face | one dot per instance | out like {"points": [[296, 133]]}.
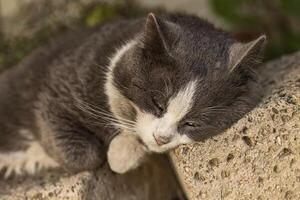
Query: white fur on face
{"points": [[28, 161], [149, 125], [116, 100]]}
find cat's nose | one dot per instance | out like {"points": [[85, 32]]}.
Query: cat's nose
{"points": [[161, 140]]}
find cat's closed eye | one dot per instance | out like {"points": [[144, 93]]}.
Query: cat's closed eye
{"points": [[190, 125], [158, 104]]}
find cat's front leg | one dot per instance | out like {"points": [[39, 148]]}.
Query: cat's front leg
{"points": [[125, 153], [72, 146], [78, 151]]}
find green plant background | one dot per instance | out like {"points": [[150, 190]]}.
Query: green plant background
{"points": [[12, 50], [278, 19]]}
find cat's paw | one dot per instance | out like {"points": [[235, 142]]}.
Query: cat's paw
{"points": [[125, 153]]}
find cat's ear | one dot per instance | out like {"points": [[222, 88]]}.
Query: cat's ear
{"points": [[241, 54], [158, 34]]}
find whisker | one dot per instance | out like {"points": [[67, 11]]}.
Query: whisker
{"points": [[107, 117], [167, 87], [105, 113], [116, 125]]}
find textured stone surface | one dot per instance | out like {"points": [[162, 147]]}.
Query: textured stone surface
{"points": [[259, 157], [153, 181]]}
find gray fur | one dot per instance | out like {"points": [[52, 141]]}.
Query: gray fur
{"points": [[56, 92]]}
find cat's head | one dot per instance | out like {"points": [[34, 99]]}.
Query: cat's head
{"points": [[182, 80]]}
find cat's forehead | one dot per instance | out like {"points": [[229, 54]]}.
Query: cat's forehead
{"points": [[202, 52], [171, 82]]}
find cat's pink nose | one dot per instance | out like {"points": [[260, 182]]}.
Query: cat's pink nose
{"points": [[161, 140]]}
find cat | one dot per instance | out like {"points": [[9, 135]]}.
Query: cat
{"points": [[122, 91]]}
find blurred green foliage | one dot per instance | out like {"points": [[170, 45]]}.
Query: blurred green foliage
{"points": [[14, 49], [100, 12], [279, 19]]}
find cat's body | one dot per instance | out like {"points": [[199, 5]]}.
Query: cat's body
{"points": [[62, 105]]}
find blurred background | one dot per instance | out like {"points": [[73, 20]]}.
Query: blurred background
{"points": [[27, 24]]}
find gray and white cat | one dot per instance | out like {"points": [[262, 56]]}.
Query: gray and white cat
{"points": [[123, 90]]}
